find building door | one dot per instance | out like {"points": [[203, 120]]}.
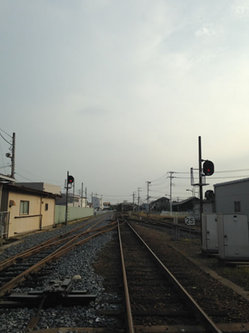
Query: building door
{"points": [[4, 224], [235, 236]]}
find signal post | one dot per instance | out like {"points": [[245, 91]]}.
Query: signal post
{"points": [[69, 181], [206, 169]]}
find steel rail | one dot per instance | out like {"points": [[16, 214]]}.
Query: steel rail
{"points": [[56, 254], [64, 250], [167, 224], [35, 319], [201, 313], [32, 251], [75, 237], [37, 248], [126, 289]]}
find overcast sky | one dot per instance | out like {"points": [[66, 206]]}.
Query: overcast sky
{"points": [[117, 92]]}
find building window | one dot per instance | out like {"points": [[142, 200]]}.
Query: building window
{"points": [[46, 206], [237, 206], [24, 207]]}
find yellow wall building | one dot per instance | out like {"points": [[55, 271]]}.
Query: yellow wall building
{"points": [[28, 209]]}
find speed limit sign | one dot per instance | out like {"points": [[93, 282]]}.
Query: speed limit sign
{"points": [[189, 220]]}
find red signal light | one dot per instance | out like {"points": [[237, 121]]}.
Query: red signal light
{"points": [[70, 179], [208, 168]]}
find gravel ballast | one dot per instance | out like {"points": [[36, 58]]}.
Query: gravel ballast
{"points": [[77, 262]]}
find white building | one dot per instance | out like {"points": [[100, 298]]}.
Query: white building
{"points": [[72, 200], [97, 202], [232, 197]]}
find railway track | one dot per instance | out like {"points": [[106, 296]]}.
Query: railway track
{"points": [[155, 299], [152, 298], [37, 248], [17, 268], [177, 230]]}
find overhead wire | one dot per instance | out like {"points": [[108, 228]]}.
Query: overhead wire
{"points": [[160, 182], [231, 177], [5, 132], [2, 158], [5, 166], [154, 180], [222, 177], [186, 172], [5, 139], [235, 170], [37, 176], [23, 177]]}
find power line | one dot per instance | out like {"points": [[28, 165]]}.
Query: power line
{"points": [[6, 133], [5, 166], [162, 182], [37, 176], [227, 171], [154, 180], [5, 139], [236, 170], [116, 195], [186, 172], [221, 177], [24, 177], [156, 192], [225, 177], [181, 177], [220, 171], [159, 185]]}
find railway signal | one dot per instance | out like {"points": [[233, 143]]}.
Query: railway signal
{"points": [[208, 168], [69, 183], [205, 169], [70, 179]]}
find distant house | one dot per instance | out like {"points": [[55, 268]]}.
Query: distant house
{"points": [[125, 207], [72, 200], [106, 205], [97, 202], [160, 204], [24, 209], [190, 205]]}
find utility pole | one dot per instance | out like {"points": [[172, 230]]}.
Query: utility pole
{"points": [[81, 196], [66, 211], [73, 193], [138, 197], [133, 202], [13, 155], [200, 184], [170, 187], [148, 195]]}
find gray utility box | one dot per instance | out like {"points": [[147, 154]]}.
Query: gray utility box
{"points": [[233, 237], [209, 233]]}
